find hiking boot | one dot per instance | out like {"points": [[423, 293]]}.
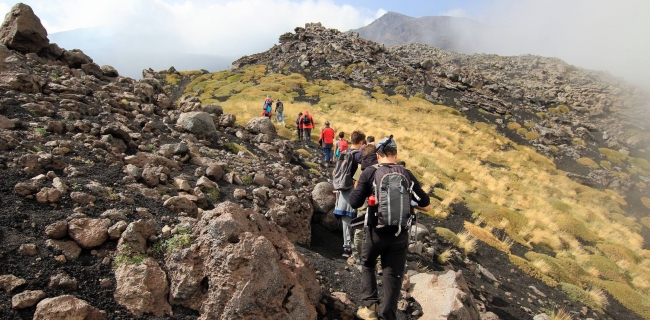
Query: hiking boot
{"points": [[368, 313], [347, 252]]}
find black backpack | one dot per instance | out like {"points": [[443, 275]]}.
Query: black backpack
{"points": [[279, 107], [342, 179], [306, 121], [393, 189]]}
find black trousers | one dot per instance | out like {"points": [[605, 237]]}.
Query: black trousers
{"points": [[300, 134], [392, 249]]}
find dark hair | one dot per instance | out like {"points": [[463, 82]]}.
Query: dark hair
{"points": [[300, 113], [370, 139], [341, 134], [387, 151], [369, 149], [358, 137]]}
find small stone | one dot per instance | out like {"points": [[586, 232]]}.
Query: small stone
{"points": [[62, 281], [166, 231], [60, 259], [27, 299], [57, 230], [10, 282], [106, 283], [28, 249]]}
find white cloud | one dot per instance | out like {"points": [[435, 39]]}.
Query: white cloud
{"points": [[456, 12], [232, 28]]}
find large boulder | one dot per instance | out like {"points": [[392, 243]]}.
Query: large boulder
{"points": [[22, 30], [67, 307], [323, 197], [241, 266], [75, 58], [261, 125], [89, 233], [142, 288], [444, 295], [199, 123]]}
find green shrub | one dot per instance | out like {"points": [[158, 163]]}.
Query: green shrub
{"points": [[554, 111], [629, 298], [212, 194], [513, 126], [576, 293], [246, 179], [541, 115], [529, 124], [588, 162], [40, 131], [448, 235], [613, 155], [522, 131], [617, 252], [531, 270], [563, 108], [532, 135], [126, 258], [312, 165]]}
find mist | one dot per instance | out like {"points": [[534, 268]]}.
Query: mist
{"points": [[593, 34]]}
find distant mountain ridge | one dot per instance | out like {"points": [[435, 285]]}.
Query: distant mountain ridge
{"points": [[445, 32]]}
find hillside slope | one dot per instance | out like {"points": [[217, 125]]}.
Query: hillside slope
{"points": [[579, 228]]}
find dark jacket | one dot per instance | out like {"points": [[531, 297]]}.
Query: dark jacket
{"points": [[279, 107], [364, 190]]}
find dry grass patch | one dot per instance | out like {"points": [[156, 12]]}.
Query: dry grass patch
{"points": [[487, 237], [588, 162]]}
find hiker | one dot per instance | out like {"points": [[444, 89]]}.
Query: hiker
{"points": [[386, 230], [268, 102], [368, 159], [326, 141], [307, 123], [369, 139], [341, 145], [279, 112], [299, 126], [342, 180]]}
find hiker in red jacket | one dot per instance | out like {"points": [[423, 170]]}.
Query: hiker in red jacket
{"points": [[307, 123], [326, 141]]}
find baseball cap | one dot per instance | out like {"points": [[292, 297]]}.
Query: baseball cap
{"points": [[386, 142]]}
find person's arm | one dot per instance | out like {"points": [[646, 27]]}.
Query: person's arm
{"points": [[425, 203], [362, 190]]}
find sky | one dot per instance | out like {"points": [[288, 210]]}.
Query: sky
{"points": [[597, 34]]}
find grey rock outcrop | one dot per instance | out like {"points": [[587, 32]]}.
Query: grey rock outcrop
{"points": [[251, 268], [22, 30]]}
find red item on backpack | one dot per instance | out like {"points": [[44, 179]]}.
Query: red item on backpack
{"points": [[343, 145]]}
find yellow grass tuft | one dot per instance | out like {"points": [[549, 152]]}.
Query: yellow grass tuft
{"points": [[487, 237], [445, 256], [466, 242], [588, 162], [561, 315]]}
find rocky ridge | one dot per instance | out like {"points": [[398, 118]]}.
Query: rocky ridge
{"points": [[572, 112]]}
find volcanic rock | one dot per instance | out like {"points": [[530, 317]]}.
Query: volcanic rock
{"points": [[65, 308], [89, 233], [27, 298], [142, 288], [22, 30], [250, 268]]}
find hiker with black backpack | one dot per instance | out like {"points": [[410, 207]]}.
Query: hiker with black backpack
{"points": [[307, 123], [343, 182], [279, 112], [389, 189]]}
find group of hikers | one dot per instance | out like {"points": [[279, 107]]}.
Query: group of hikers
{"points": [[376, 199]]}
